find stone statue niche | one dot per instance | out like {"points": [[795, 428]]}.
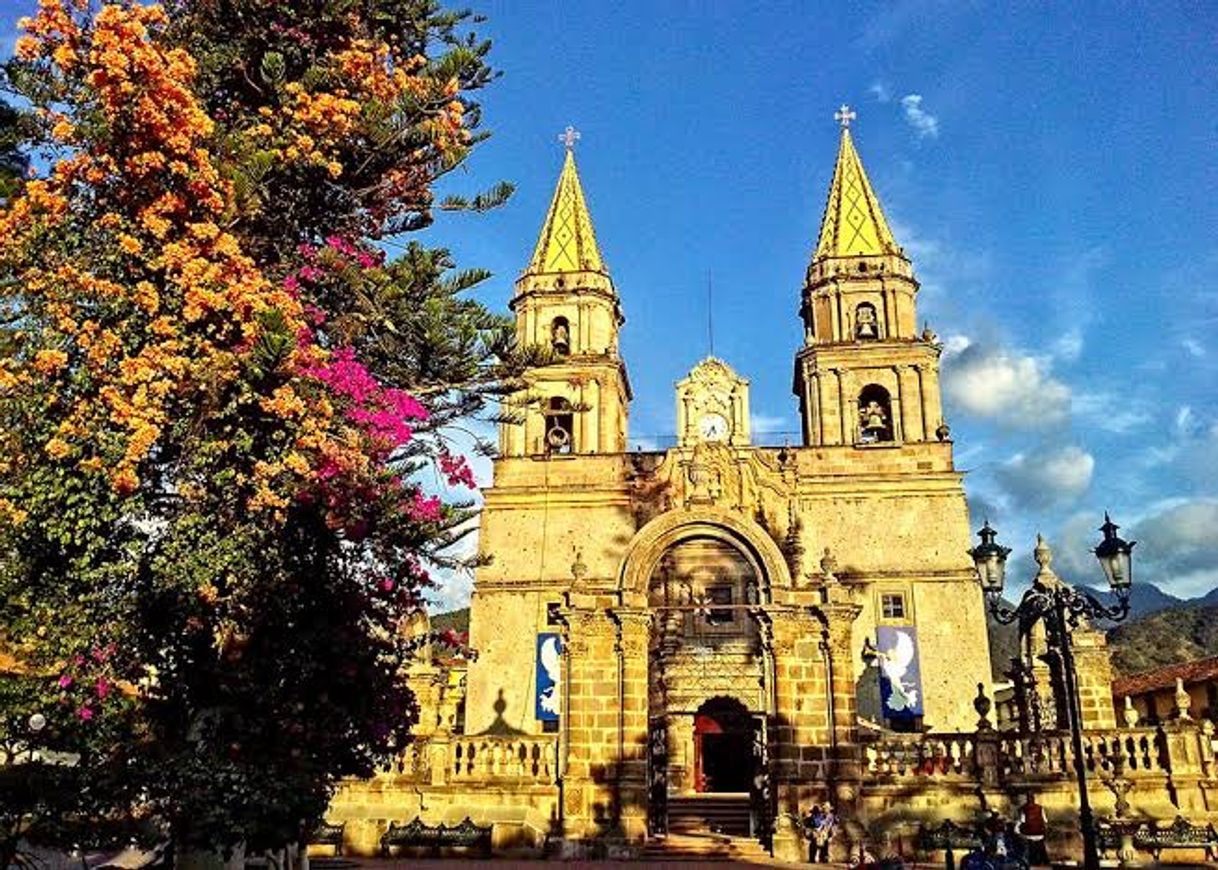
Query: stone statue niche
{"points": [[560, 425], [875, 415], [866, 325], [560, 336]]}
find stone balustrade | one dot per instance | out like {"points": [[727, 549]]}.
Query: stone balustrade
{"points": [[451, 759], [481, 758], [922, 755], [993, 755]]}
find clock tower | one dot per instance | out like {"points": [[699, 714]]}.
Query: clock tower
{"points": [[713, 406]]}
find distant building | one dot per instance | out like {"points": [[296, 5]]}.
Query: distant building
{"points": [[1153, 694]]}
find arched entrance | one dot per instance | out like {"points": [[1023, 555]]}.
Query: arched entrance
{"points": [[709, 681], [723, 747]]}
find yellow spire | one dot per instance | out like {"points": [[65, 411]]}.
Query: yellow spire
{"points": [[854, 224], [567, 242]]}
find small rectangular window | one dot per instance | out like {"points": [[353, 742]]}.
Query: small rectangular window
{"points": [[719, 595], [892, 606], [549, 726]]}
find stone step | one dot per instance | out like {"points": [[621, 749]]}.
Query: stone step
{"points": [[705, 847], [721, 813]]}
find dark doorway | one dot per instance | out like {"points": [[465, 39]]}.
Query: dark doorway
{"points": [[723, 747]]}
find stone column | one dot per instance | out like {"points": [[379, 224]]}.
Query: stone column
{"points": [[634, 627], [911, 403], [846, 763], [590, 719], [1094, 670], [932, 402], [800, 735], [822, 389], [922, 409]]}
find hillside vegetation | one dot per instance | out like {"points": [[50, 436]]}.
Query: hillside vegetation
{"points": [[1165, 638]]}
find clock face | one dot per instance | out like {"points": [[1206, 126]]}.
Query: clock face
{"points": [[713, 427]]}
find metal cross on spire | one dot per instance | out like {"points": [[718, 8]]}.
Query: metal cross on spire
{"points": [[843, 116], [569, 137]]}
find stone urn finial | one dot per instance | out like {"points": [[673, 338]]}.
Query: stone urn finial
{"points": [[982, 704], [1183, 701], [1130, 713], [1043, 555]]}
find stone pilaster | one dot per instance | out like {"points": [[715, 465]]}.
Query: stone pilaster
{"points": [[591, 721], [1094, 668], [633, 630]]}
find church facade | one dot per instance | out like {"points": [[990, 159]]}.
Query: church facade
{"points": [[717, 621]]}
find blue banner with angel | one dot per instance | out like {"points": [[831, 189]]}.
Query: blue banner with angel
{"points": [[549, 675], [900, 675]]}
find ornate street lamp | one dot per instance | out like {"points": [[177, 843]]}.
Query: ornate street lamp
{"points": [[1062, 609]]}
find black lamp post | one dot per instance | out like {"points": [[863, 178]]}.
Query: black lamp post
{"points": [[1061, 608]]}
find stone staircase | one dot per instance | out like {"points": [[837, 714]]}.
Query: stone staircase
{"points": [[709, 813], [704, 847]]}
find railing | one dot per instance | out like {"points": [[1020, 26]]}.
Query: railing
{"points": [[1137, 750], [922, 755], [993, 755], [446, 758], [474, 759]]}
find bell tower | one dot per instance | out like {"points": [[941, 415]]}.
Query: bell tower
{"points": [[565, 301], [865, 376]]}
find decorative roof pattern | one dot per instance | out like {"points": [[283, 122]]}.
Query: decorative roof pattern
{"points": [[567, 242], [854, 223]]}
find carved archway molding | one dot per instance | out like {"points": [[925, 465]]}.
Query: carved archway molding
{"points": [[672, 527]]}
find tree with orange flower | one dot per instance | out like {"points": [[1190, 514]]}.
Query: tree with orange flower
{"points": [[218, 393]]}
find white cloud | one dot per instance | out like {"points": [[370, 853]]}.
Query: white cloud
{"points": [[1112, 413], [1009, 388], [880, 91], [1177, 546], [923, 122], [1046, 476], [1069, 345], [1194, 348]]}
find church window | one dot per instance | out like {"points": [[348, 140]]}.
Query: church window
{"points": [[560, 425], [560, 336], [866, 326], [719, 595], [875, 415], [892, 606]]}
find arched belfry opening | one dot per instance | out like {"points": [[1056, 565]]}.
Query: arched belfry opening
{"points": [[707, 686], [875, 415]]}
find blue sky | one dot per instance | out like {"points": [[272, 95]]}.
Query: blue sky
{"points": [[1050, 168]]}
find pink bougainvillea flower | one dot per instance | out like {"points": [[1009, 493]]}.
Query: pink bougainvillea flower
{"points": [[85, 713], [65, 680], [102, 688]]}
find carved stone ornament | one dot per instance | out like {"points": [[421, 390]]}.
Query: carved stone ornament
{"points": [[1183, 701], [1130, 713], [982, 704], [712, 405]]}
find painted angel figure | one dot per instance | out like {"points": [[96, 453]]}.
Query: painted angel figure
{"points": [[894, 664], [551, 663]]}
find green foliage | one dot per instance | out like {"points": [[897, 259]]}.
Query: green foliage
{"points": [[1167, 637], [211, 671]]}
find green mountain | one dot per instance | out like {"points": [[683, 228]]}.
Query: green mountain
{"points": [[457, 620], [1167, 637]]}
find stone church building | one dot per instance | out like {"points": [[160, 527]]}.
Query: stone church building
{"points": [[706, 619], [713, 637]]}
